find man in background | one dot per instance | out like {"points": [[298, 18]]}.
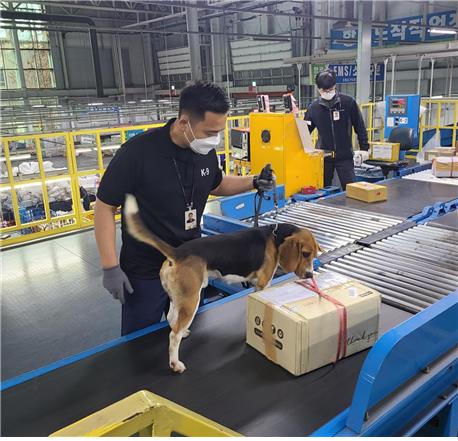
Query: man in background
{"points": [[334, 115]]}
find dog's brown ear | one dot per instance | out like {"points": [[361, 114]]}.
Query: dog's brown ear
{"points": [[318, 246], [290, 254]]}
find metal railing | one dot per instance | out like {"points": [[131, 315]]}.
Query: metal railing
{"points": [[38, 199], [28, 180], [145, 414]]}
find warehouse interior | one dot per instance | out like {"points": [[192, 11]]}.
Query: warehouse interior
{"points": [[81, 78]]}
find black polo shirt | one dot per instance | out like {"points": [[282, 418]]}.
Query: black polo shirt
{"points": [[144, 167]]}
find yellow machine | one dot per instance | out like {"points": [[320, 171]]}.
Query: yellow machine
{"points": [[275, 138]]}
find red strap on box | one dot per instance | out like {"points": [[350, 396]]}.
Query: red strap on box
{"points": [[341, 311]]}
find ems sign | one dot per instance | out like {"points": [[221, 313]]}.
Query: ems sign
{"points": [[346, 73]]}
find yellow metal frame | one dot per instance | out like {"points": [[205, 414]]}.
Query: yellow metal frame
{"points": [[145, 414], [58, 224], [430, 107], [80, 218]]}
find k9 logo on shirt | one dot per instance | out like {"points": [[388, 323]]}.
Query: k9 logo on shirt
{"points": [[205, 171]]}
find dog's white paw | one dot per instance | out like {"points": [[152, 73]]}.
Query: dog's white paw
{"points": [[186, 333], [177, 366]]}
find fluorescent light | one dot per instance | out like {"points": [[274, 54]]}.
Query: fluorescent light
{"points": [[29, 184], [53, 106], [16, 157], [95, 104], [38, 105], [130, 102], [110, 147], [146, 101], [84, 150], [442, 31], [436, 97], [51, 181]]}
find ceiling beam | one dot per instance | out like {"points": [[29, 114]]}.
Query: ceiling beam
{"points": [[93, 8]]}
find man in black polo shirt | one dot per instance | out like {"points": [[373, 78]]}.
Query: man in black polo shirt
{"points": [[334, 114], [171, 171]]}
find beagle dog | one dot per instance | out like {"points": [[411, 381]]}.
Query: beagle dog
{"points": [[250, 255]]}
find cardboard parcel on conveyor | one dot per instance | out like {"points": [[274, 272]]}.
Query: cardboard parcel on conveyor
{"points": [[301, 330]]}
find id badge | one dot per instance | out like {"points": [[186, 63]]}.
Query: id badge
{"points": [[336, 115], [190, 219]]}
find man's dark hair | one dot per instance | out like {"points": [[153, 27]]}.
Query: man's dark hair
{"points": [[325, 79], [201, 97], [290, 88]]}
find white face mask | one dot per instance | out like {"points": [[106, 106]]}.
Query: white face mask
{"points": [[328, 96], [203, 146]]}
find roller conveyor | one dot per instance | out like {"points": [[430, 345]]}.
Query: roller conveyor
{"points": [[333, 227], [412, 269]]}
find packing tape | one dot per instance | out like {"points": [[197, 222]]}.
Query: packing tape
{"points": [[270, 349], [341, 313]]}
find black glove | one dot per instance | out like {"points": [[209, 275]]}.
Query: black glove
{"points": [[114, 281], [265, 181]]}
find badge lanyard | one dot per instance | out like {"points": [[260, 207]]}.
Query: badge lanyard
{"points": [[190, 215]]}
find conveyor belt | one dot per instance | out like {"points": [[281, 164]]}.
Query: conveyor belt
{"points": [[333, 227], [226, 381], [405, 198], [412, 269], [449, 220], [427, 175]]}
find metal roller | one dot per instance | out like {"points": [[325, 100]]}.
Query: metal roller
{"points": [[430, 244], [415, 252], [333, 227], [426, 295], [406, 261], [389, 294], [393, 265], [400, 276], [411, 269]]}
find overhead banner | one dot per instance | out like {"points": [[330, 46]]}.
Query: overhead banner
{"points": [[400, 29], [346, 73]]}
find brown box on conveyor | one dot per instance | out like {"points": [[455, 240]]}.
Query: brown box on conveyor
{"points": [[445, 167], [299, 330], [367, 192], [439, 151]]}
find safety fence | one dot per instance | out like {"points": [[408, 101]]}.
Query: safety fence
{"points": [[145, 414], [48, 181]]}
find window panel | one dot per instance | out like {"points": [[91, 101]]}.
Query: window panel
{"points": [[43, 59], [31, 79], [2, 79], [12, 79], [9, 59], [6, 39], [25, 39], [46, 79], [28, 59]]}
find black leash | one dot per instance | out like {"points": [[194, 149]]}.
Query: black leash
{"points": [[258, 198]]}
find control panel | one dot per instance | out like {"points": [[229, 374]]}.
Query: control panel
{"points": [[240, 142], [402, 111]]}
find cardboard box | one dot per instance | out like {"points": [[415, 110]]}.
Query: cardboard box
{"points": [[445, 167], [300, 331], [384, 151], [367, 192], [439, 151]]}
